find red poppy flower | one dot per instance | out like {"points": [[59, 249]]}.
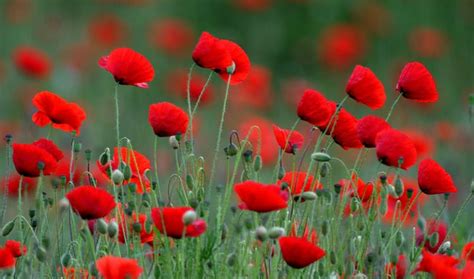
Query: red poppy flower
{"points": [[16, 248], [177, 83], [52, 109], [439, 266], [344, 132], [107, 30], [340, 46], [314, 108], [288, 140], [364, 87], [26, 157], [260, 197], [169, 221], [167, 119], [111, 267], [392, 146], [298, 252], [255, 91], [433, 179], [468, 251], [32, 62], [90, 202], [416, 83], [222, 56], [368, 128], [399, 269], [128, 67], [7, 260], [296, 182], [263, 135], [431, 227], [145, 237], [28, 185], [172, 36], [138, 162], [427, 42]]}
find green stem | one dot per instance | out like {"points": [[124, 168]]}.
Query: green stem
{"points": [[461, 210], [117, 122], [393, 107]]}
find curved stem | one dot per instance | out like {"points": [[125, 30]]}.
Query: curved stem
{"points": [[393, 106], [117, 122], [461, 210]]}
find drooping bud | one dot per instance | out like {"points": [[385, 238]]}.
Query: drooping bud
{"points": [[174, 143], [261, 233], [309, 196], [276, 232], [231, 150], [6, 230], [105, 157], [320, 157], [189, 217], [117, 177], [66, 259]]}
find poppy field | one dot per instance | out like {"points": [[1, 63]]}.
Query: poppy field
{"points": [[236, 139]]}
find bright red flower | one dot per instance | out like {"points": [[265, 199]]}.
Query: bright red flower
{"points": [[288, 140], [169, 221], [26, 157], [298, 252], [172, 36], [222, 56], [128, 67], [32, 62], [16, 248], [364, 87], [314, 108], [264, 135], [167, 119], [392, 146], [433, 179], [427, 42], [107, 30], [260, 197], [468, 251], [28, 185], [90, 202], [7, 260], [399, 269], [52, 109], [439, 266], [431, 227], [416, 83], [255, 91], [145, 237], [340, 46], [296, 182], [344, 132], [111, 267], [177, 83], [368, 128]]}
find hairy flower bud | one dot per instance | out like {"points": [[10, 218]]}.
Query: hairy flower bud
{"points": [[320, 157], [174, 143], [189, 217], [101, 226], [276, 232], [261, 233], [117, 177], [112, 229]]}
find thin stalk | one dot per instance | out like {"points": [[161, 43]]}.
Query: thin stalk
{"points": [[393, 107], [117, 121]]}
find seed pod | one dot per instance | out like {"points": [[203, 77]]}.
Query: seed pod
{"points": [[101, 226], [324, 169], [66, 259], [276, 232], [325, 227], [399, 239], [6, 230], [320, 157], [337, 188], [137, 227], [261, 233], [88, 154], [31, 213], [112, 229], [174, 143], [257, 163], [189, 217], [231, 69], [309, 196], [117, 177], [434, 238]]}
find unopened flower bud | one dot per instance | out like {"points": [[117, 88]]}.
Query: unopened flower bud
{"points": [[137, 227], [354, 204], [127, 172], [231, 259], [101, 226], [148, 226], [8, 138], [472, 186], [88, 153], [189, 181], [383, 178], [112, 229], [132, 187], [337, 188], [66, 259], [257, 163], [309, 196], [398, 186], [40, 165], [320, 157], [174, 143], [6, 230], [276, 232], [248, 156], [443, 249], [399, 239], [105, 157], [63, 204], [332, 257], [434, 238], [325, 227], [231, 150], [324, 169], [117, 177], [281, 172], [261, 233], [284, 186], [189, 217], [231, 69]]}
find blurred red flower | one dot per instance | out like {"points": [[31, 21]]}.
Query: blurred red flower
{"points": [[433, 179], [16, 248], [112, 267], [438, 265], [289, 141], [255, 91], [392, 146], [296, 182], [399, 269], [368, 128], [427, 42], [364, 87], [293, 90], [52, 109], [260, 197], [128, 221], [26, 157], [12, 184], [128, 67], [314, 108], [177, 83], [222, 56], [107, 30], [299, 252], [7, 260], [172, 36], [468, 251], [416, 83], [167, 119], [432, 226], [169, 221], [90, 202], [32, 62], [344, 131]]}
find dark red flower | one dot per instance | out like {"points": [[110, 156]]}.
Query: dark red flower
{"points": [[298, 252], [416, 83], [431, 227], [314, 108], [167, 119], [392, 146], [433, 179], [26, 157], [260, 197], [7, 260], [107, 30], [52, 109], [112, 267], [169, 221], [172, 36], [289, 141], [145, 237], [364, 87], [32, 62], [177, 83], [296, 182], [468, 251], [344, 132], [128, 67], [262, 139], [223, 57], [368, 128], [16, 248], [439, 266], [399, 269], [28, 185], [90, 202], [255, 91]]}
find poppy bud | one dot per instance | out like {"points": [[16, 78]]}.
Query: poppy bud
{"points": [[325, 227], [261, 233], [281, 172], [231, 150], [324, 169], [231, 259], [148, 226], [472, 186], [105, 157], [112, 229], [101, 226], [194, 203], [248, 224], [146, 197], [320, 157], [443, 249], [257, 163], [77, 147], [434, 238], [66, 259], [137, 227], [127, 172], [409, 193], [41, 254], [189, 217], [132, 187], [446, 196], [224, 232], [248, 156], [6, 230], [88, 153], [276, 232], [63, 204], [231, 69], [189, 181], [398, 186], [337, 188], [399, 239], [174, 143], [284, 186], [117, 177], [309, 196]]}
